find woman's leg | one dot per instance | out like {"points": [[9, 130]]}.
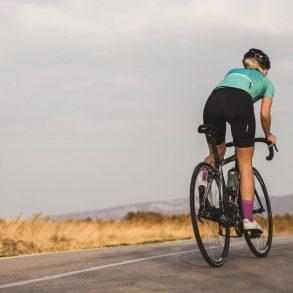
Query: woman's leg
{"points": [[206, 178], [244, 159], [221, 150]]}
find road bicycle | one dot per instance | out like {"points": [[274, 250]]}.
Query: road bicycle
{"points": [[215, 206]]}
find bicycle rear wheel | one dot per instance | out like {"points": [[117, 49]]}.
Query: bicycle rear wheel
{"points": [[262, 213], [212, 239]]}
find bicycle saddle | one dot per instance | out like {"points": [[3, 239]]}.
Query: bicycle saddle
{"points": [[207, 129]]}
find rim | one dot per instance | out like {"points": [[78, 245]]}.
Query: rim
{"points": [[208, 229], [262, 217]]}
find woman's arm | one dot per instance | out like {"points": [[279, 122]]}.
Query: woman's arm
{"points": [[266, 119]]}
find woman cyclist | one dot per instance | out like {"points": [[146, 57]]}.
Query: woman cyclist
{"points": [[232, 101]]}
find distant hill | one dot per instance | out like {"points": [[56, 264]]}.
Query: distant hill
{"points": [[177, 206], [280, 205]]}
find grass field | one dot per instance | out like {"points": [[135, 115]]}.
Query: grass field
{"points": [[42, 234]]}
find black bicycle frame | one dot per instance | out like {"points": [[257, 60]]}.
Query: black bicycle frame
{"points": [[220, 163]]}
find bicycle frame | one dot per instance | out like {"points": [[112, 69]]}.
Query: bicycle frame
{"points": [[222, 184], [210, 134]]}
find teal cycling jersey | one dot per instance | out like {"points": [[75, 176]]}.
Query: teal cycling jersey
{"points": [[252, 81]]}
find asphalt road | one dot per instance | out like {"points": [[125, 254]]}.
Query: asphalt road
{"points": [[164, 267]]}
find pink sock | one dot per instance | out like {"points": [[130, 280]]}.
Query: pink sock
{"points": [[205, 175], [247, 209]]}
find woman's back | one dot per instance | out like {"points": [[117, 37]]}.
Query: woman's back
{"points": [[252, 81]]}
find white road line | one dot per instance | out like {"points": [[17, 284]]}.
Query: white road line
{"points": [[57, 276], [62, 275], [173, 242], [38, 254]]}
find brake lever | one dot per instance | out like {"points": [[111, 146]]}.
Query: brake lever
{"points": [[271, 154], [275, 147]]}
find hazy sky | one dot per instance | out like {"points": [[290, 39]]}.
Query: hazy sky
{"points": [[99, 100]]}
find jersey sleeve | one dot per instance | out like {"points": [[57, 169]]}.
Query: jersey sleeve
{"points": [[270, 90], [230, 71]]}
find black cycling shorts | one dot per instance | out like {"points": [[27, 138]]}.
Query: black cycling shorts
{"points": [[234, 106]]}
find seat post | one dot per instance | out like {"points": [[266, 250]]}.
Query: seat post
{"points": [[210, 132], [214, 148]]}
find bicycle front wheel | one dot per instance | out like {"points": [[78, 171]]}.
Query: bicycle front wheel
{"points": [[262, 213], [212, 239]]}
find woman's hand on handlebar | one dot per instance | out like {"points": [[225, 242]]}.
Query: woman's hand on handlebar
{"points": [[272, 138]]}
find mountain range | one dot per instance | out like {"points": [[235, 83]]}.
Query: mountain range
{"points": [[280, 205]]}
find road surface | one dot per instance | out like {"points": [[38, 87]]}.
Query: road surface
{"points": [[163, 267]]}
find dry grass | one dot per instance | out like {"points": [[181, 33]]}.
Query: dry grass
{"points": [[40, 234]]}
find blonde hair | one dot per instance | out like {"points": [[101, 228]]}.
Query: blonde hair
{"points": [[252, 63]]}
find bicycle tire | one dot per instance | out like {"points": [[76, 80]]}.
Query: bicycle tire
{"points": [[195, 220], [269, 226]]}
